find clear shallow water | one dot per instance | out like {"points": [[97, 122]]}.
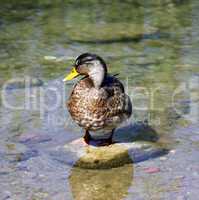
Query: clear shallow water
{"points": [[153, 46]]}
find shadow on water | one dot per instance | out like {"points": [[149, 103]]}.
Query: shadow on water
{"points": [[136, 132], [145, 137]]}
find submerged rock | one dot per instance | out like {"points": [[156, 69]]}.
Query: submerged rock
{"points": [[16, 152], [104, 157], [151, 170], [115, 155], [34, 138]]}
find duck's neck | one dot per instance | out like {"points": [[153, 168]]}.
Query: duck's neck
{"points": [[97, 76]]}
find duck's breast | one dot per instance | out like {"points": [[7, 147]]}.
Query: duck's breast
{"points": [[86, 105]]}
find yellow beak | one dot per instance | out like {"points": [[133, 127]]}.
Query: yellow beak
{"points": [[71, 75]]}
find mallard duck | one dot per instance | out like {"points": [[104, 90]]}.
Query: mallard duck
{"points": [[98, 102]]}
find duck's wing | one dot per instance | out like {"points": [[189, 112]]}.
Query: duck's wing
{"points": [[117, 102]]}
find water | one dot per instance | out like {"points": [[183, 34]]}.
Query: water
{"points": [[152, 45]]}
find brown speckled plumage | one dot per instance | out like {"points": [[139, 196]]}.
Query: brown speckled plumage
{"points": [[103, 108]]}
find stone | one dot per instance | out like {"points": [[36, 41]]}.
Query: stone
{"points": [[104, 157], [15, 152], [151, 170], [33, 138], [115, 155], [163, 158], [50, 57], [173, 151]]}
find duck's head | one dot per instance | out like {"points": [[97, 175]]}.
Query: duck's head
{"points": [[91, 65]]}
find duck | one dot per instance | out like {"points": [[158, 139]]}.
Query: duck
{"points": [[98, 102]]}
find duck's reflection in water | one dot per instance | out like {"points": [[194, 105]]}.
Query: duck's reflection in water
{"points": [[101, 184]]}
